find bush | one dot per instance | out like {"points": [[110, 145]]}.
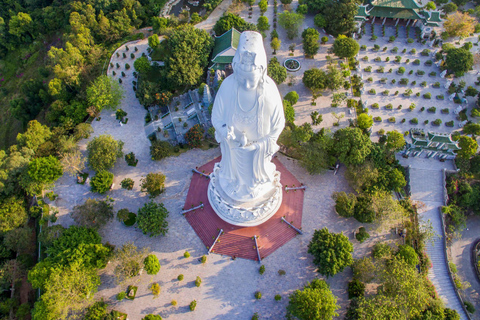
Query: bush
{"points": [[123, 74], [124, 55], [408, 254], [432, 74], [389, 106], [152, 265], [427, 95], [423, 84], [437, 122], [425, 122], [198, 281], [425, 52], [127, 184], [120, 296], [391, 119], [411, 107], [362, 235], [416, 61], [410, 40], [432, 109], [414, 121], [186, 254], [194, 136], [174, 302], [203, 259], [449, 123], [391, 39], [255, 316], [152, 219], [381, 250], [131, 160], [404, 81], [420, 73], [445, 111], [362, 47], [261, 270], [344, 203], [377, 119], [160, 149], [292, 97], [469, 306], [153, 184], [127, 66], [372, 91], [278, 297], [180, 277], [102, 181], [356, 289], [401, 70], [258, 295], [193, 305], [377, 59], [375, 106]]}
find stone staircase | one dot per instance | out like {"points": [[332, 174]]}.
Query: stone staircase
{"points": [[427, 186]]}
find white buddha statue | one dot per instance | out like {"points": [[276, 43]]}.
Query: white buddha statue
{"points": [[248, 118]]}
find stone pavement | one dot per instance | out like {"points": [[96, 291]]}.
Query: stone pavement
{"points": [[460, 251], [427, 186]]}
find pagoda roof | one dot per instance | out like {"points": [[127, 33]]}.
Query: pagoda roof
{"points": [[226, 46], [395, 13], [399, 4]]}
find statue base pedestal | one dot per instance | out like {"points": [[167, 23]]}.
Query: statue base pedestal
{"points": [[248, 214]]}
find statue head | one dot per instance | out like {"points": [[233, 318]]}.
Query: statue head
{"points": [[250, 61]]}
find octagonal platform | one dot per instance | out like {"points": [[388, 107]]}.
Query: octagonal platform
{"points": [[238, 241]]}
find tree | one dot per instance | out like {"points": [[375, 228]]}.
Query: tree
{"points": [[42, 172], [263, 5], [310, 42], [72, 162], [97, 311], [276, 71], [396, 180], [364, 121], [152, 317], [19, 240], [341, 16], [153, 41], [449, 8], [430, 6], [227, 22], [66, 292], [344, 203], [105, 92], [35, 135], [408, 254], [290, 21], [152, 265], [153, 184], [152, 219], [103, 152], [314, 79], [21, 24], [320, 21], [12, 214], [332, 252], [128, 261], [363, 176], [351, 146], [262, 23], [289, 111], [292, 97], [468, 147], [194, 136], [102, 181], [316, 118], [334, 77], [68, 64], [160, 149], [344, 47], [93, 213], [460, 24], [275, 44], [395, 141], [315, 156], [142, 65], [314, 302], [472, 128]]}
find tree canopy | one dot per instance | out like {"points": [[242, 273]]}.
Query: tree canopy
{"points": [[468, 147], [153, 184], [310, 41], [351, 146], [103, 152], [460, 24], [93, 213], [105, 93], [459, 61], [152, 219], [290, 21], [344, 47], [276, 71], [364, 121], [332, 252]]}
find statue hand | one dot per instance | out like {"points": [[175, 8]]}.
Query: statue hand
{"points": [[250, 147]]}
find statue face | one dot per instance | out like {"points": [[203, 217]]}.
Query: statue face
{"points": [[247, 73]]}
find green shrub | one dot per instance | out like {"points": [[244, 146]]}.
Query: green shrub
{"points": [[469, 306], [186, 254], [278, 297], [127, 184], [445, 111], [121, 296], [255, 316], [193, 305], [437, 122], [427, 95], [102, 181], [203, 259], [160, 149], [356, 289], [152, 265], [449, 123], [127, 66], [174, 302], [180, 277], [258, 295], [261, 270], [432, 109], [391, 120], [414, 121], [198, 281], [96, 311], [362, 235], [381, 250], [131, 159], [408, 254]]}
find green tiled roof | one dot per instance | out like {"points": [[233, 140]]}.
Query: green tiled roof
{"points": [[400, 4], [439, 138], [227, 40], [362, 11], [419, 143], [223, 59], [395, 13]]}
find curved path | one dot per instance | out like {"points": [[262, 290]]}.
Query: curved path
{"points": [[426, 183]]}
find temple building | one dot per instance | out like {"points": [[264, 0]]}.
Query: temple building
{"points": [[439, 145], [224, 50], [404, 12]]}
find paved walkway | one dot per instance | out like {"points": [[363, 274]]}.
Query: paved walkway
{"points": [[427, 186]]}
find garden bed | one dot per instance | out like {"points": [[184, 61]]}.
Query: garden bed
{"points": [[291, 65]]}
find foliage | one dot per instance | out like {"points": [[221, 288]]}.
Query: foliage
{"points": [[152, 219], [315, 153], [12, 214], [127, 183], [356, 289], [344, 203], [381, 250], [262, 23], [395, 141], [152, 317], [105, 92], [289, 111], [160, 149], [364, 121], [102, 181], [153, 41], [203, 259], [128, 259], [340, 16], [468, 147], [194, 136], [261, 270], [459, 61], [193, 305], [455, 216], [229, 21], [103, 152], [460, 24], [186, 254], [344, 47], [290, 21], [153, 184], [198, 281], [331, 252], [152, 265], [310, 41], [142, 65], [408, 254], [96, 311], [42, 172], [314, 302], [258, 295], [180, 277], [131, 159], [275, 44], [93, 213], [351, 146], [276, 71], [292, 97], [362, 235]]}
